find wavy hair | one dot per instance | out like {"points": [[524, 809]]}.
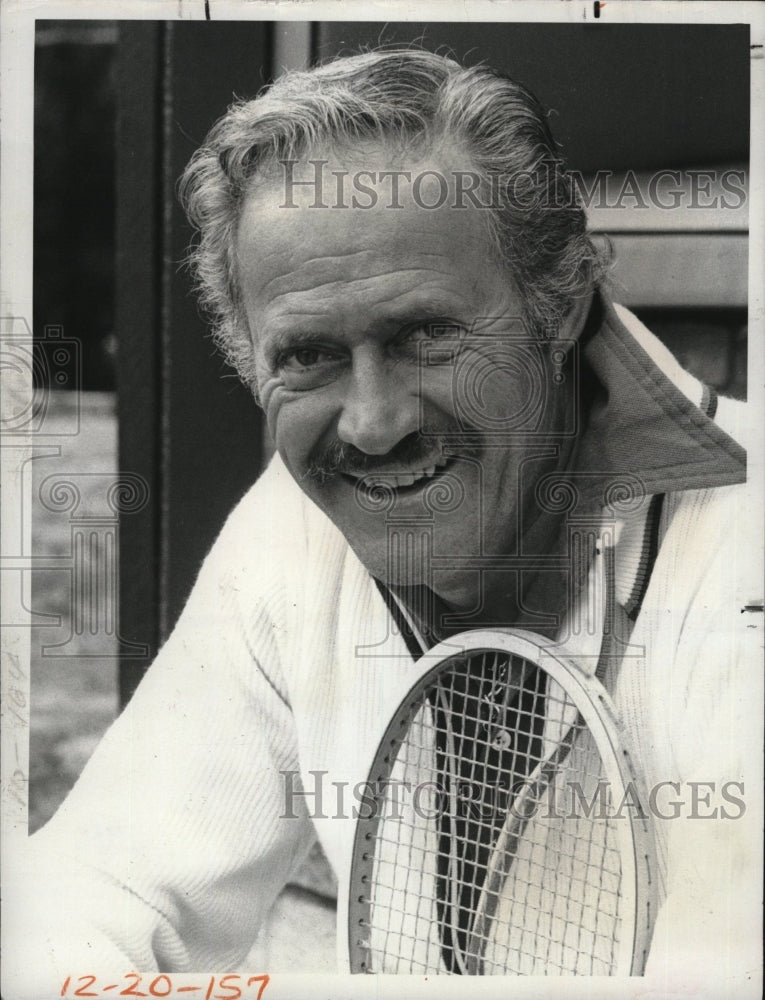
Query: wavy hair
{"points": [[406, 97]]}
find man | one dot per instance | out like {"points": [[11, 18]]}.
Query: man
{"points": [[395, 262]]}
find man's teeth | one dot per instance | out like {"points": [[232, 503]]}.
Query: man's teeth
{"points": [[398, 479]]}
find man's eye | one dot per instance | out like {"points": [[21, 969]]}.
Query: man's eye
{"points": [[309, 367], [306, 357]]}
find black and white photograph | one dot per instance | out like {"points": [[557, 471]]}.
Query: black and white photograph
{"points": [[381, 568]]}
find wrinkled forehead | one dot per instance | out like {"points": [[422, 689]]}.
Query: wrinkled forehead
{"points": [[398, 204], [374, 177], [330, 226]]}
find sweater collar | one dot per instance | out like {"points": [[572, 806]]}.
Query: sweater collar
{"points": [[645, 424], [649, 431]]}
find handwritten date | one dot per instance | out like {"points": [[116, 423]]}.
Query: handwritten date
{"points": [[229, 987]]}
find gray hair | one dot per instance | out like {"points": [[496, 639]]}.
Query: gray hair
{"points": [[406, 96]]}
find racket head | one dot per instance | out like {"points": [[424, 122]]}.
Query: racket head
{"points": [[391, 919]]}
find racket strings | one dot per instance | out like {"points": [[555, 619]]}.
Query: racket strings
{"points": [[451, 890], [488, 733]]}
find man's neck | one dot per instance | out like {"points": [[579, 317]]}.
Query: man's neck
{"points": [[531, 597]]}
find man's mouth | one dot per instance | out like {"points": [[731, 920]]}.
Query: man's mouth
{"points": [[398, 479]]}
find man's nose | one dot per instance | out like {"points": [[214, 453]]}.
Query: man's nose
{"points": [[380, 407]]}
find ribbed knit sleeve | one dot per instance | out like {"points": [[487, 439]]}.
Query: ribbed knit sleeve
{"points": [[170, 849]]}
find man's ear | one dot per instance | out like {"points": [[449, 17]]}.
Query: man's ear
{"points": [[574, 320]]}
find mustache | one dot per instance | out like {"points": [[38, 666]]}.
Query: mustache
{"points": [[418, 449]]}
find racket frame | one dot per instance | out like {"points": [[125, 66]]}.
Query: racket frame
{"points": [[590, 698]]}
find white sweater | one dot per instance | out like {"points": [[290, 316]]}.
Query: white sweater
{"points": [[173, 845]]}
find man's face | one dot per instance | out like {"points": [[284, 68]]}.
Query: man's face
{"points": [[395, 376]]}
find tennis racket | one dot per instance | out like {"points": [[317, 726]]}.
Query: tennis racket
{"points": [[502, 831]]}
